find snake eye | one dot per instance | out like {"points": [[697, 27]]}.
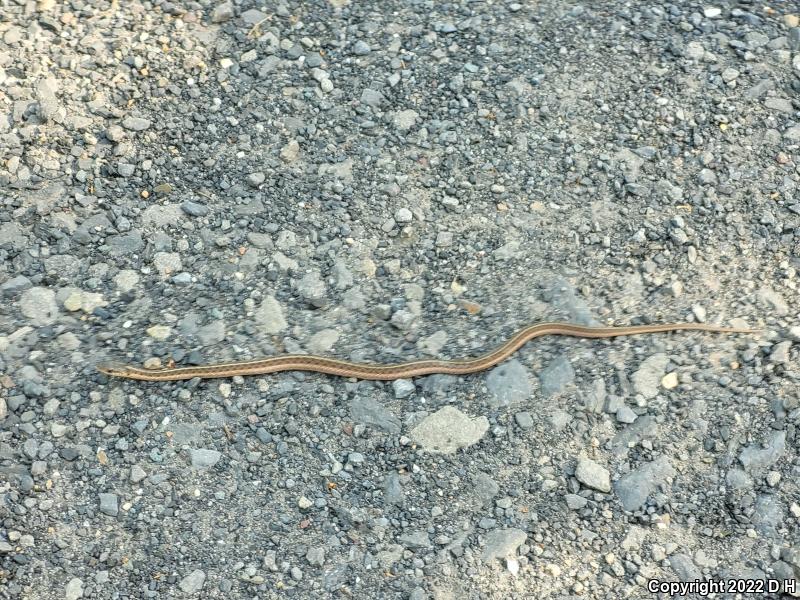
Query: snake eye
{"points": [[112, 369]]}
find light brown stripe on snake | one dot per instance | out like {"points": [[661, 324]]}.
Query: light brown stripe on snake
{"points": [[344, 368]]}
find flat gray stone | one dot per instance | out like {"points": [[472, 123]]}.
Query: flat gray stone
{"points": [[770, 298], [393, 490], [323, 341], [626, 415], [756, 459], [194, 209], [403, 388], [783, 105], [484, 487], [12, 236], [737, 479], [253, 17], [15, 285], [524, 419], [162, 215], [371, 412], [759, 89], [780, 352], [508, 384], [334, 577], [315, 556], [256, 179], [635, 487], [575, 502], [647, 378], [645, 427], [313, 289], [127, 243], [290, 152], [684, 567], [203, 458], [260, 240], [559, 419], [135, 123], [371, 97], [595, 397], [109, 505], [556, 376], [254, 207], [449, 430], [360, 48], [415, 540], [185, 433], [39, 306], [222, 12], [137, 474], [212, 333], [501, 543], [404, 120], [193, 582], [269, 316], [768, 515], [592, 475], [73, 589], [507, 251], [48, 102]]}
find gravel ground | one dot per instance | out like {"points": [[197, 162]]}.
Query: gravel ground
{"points": [[197, 182]]}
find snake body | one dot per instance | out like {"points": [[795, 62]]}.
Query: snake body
{"points": [[387, 372]]}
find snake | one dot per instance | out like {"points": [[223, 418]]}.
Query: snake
{"points": [[404, 370]]}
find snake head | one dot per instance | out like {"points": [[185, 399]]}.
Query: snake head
{"points": [[112, 369]]}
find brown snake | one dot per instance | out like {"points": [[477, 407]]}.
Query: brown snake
{"points": [[344, 368]]}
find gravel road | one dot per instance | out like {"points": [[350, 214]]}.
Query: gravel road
{"points": [[195, 182]]}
